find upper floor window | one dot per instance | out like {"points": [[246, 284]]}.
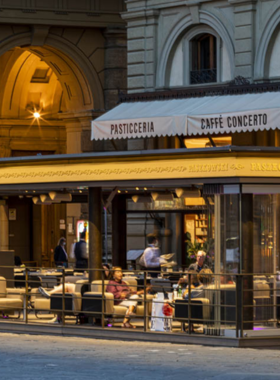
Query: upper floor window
{"points": [[203, 59], [199, 57]]}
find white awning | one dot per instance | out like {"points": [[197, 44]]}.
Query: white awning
{"points": [[192, 116]]}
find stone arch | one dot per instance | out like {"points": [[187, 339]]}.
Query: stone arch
{"points": [[268, 32], [80, 69], [178, 31]]}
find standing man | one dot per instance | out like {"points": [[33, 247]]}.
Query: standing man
{"points": [[150, 259], [60, 254], [81, 253], [200, 258]]}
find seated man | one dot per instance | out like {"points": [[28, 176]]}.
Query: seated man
{"points": [[123, 295], [199, 265]]}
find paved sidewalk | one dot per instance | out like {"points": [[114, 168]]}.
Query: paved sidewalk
{"points": [[45, 357]]}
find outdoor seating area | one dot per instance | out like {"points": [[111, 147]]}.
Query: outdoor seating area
{"points": [[221, 309]]}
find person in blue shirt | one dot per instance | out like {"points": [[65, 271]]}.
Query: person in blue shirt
{"points": [[199, 282]]}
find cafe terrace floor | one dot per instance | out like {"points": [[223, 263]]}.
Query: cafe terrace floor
{"points": [[42, 327]]}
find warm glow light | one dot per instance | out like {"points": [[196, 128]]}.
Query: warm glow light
{"points": [[137, 188], [119, 191], [36, 115]]}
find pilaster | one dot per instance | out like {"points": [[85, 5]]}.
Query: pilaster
{"points": [[244, 20], [115, 65], [142, 49]]}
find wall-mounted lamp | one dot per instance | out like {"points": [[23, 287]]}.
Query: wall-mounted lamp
{"points": [[188, 193], [36, 115], [162, 196], [61, 197]]}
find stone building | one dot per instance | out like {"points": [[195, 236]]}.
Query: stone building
{"points": [[62, 63], [188, 44]]}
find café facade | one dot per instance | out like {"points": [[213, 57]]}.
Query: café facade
{"points": [[224, 199]]}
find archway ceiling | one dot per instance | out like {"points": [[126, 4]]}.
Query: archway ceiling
{"points": [[41, 78]]}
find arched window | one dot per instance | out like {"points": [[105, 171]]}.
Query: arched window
{"points": [[203, 59], [198, 57]]}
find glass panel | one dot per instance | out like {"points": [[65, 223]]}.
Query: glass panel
{"points": [[230, 240]]}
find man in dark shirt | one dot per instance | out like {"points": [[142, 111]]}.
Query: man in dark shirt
{"points": [[197, 267], [80, 251]]}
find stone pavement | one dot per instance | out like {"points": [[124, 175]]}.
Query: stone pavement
{"points": [[25, 357]]}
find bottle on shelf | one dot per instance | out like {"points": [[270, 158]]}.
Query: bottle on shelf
{"points": [[175, 291], [179, 291]]}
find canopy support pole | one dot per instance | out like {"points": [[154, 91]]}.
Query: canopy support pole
{"points": [[212, 141], [95, 237], [119, 232], [181, 139]]}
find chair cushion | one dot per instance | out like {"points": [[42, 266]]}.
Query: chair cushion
{"points": [[42, 303], [96, 286], [10, 303], [3, 286]]}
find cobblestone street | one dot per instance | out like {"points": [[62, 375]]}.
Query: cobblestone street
{"points": [[47, 357]]}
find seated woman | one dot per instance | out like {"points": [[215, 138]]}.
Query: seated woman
{"points": [[199, 281], [123, 295], [107, 274]]}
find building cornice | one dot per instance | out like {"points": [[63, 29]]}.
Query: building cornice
{"points": [[192, 92]]}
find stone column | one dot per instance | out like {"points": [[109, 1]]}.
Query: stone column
{"points": [[119, 221], [78, 133], [95, 234], [4, 230]]}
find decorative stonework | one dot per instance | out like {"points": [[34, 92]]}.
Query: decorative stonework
{"points": [[149, 170]]}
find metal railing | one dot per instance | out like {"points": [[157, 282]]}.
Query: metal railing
{"points": [[235, 305], [203, 76]]}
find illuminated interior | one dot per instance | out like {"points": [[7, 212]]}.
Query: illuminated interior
{"points": [[204, 142]]}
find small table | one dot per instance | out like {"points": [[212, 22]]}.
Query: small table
{"points": [[161, 314]]}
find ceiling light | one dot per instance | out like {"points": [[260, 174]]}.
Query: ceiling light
{"points": [[65, 197], [44, 198], [141, 198], [188, 193], [162, 196], [137, 188], [36, 115], [37, 201]]}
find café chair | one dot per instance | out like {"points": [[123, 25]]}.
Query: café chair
{"points": [[11, 299], [92, 301], [54, 304], [199, 311]]}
